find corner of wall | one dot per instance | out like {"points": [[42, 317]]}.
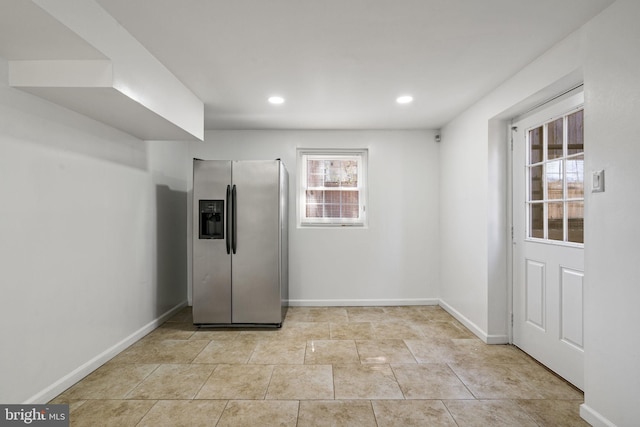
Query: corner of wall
{"points": [[475, 329], [594, 418], [85, 369]]}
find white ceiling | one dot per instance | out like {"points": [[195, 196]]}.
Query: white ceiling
{"points": [[340, 64]]}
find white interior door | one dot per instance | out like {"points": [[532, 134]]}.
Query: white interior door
{"points": [[548, 251]]}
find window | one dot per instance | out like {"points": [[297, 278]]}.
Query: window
{"points": [[555, 179], [332, 187]]}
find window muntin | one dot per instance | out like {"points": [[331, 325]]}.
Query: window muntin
{"points": [[555, 179], [332, 187]]}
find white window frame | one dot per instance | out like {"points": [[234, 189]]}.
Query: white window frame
{"points": [[360, 156]]}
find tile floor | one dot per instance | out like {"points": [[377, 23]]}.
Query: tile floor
{"points": [[327, 366]]}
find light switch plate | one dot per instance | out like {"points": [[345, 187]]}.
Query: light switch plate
{"points": [[597, 181]]}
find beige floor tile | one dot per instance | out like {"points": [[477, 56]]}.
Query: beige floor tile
{"points": [[260, 334], [305, 331], [352, 331], [300, 382], [317, 314], [433, 350], [375, 381], [494, 413], [497, 381], [183, 316], [322, 368], [430, 381], [448, 329], [367, 314], [384, 351], [236, 351], [263, 413], [171, 331], [184, 413], [550, 385], [173, 381], [396, 330], [410, 314], [237, 382], [514, 381], [410, 413], [330, 314], [436, 313], [279, 352], [336, 413], [73, 404], [331, 351], [297, 314], [161, 351], [110, 413], [110, 381], [216, 334], [551, 413], [475, 351]]}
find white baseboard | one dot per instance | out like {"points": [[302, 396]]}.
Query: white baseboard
{"points": [[594, 417], [360, 302], [489, 339], [497, 339], [91, 365]]}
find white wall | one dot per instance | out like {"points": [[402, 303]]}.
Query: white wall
{"points": [[395, 260], [605, 54], [92, 246], [473, 202], [612, 230]]}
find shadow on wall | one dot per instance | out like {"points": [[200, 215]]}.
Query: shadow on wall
{"points": [[171, 248]]}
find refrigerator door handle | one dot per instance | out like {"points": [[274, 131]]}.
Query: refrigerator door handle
{"points": [[227, 237], [234, 214]]}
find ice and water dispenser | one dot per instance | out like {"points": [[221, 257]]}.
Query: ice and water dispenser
{"points": [[211, 219]]}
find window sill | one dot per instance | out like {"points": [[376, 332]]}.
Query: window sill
{"points": [[328, 225]]}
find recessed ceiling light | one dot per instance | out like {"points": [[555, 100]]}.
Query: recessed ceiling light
{"points": [[276, 100], [404, 99]]}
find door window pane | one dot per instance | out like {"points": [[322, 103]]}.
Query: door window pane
{"points": [[555, 181], [575, 177], [554, 139], [575, 130], [575, 214], [535, 183], [535, 145], [555, 223], [536, 220]]}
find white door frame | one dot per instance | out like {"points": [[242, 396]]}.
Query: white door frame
{"points": [[510, 260]]}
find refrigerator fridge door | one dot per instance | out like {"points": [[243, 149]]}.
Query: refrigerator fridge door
{"points": [[211, 261], [256, 281], [284, 239]]}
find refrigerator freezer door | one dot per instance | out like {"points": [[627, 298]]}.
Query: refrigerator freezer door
{"points": [[256, 264], [211, 263]]}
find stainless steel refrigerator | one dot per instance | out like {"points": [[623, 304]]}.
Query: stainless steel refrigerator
{"points": [[240, 242]]}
